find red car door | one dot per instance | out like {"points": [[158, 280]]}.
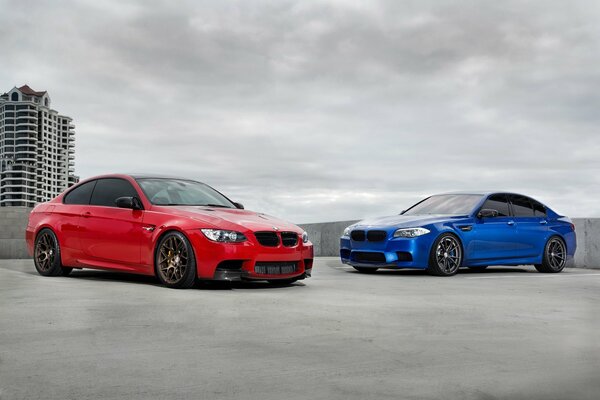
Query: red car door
{"points": [[109, 234], [68, 215]]}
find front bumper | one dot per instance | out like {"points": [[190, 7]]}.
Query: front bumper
{"points": [[391, 253], [238, 261]]}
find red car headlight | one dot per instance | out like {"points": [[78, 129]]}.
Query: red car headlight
{"points": [[223, 236]]}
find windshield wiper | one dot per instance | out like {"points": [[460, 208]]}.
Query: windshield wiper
{"points": [[216, 205], [192, 205]]}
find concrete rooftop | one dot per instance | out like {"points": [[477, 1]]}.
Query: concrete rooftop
{"points": [[505, 333]]}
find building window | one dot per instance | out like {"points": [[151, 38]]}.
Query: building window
{"points": [[14, 96]]}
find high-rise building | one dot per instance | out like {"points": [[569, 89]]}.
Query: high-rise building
{"points": [[37, 148]]}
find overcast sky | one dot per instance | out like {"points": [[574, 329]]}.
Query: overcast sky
{"points": [[324, 110]]}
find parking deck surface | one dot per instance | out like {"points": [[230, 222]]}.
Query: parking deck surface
{"points": [[504, 333]]}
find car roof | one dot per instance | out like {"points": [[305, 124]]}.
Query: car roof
{"points": [[157, 176], [137, 176], [482, 192]]}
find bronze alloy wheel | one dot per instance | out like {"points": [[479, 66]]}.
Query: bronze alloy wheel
{"points": [[46, 255], [45, 251], [446, 256], [174, 261]]}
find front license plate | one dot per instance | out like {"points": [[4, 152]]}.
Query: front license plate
{"points": [[275, 268]]}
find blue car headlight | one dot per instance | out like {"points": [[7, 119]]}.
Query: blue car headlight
{"points": [[347, 232], [222, 236], [410, 232]]}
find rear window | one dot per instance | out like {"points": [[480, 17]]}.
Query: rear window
{"points": [[81, 194], [521, 206], [538, 208]]}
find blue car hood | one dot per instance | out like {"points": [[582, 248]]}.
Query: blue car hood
{"points": [[405, 221]]}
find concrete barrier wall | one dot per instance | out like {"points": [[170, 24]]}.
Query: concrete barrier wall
{"points": [[13, 221], [588, 242], [325, 237]]}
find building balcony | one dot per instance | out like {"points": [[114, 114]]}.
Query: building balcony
{"points": [[24, 151], [26, 159], [20, 192], [24, 128], [24, 143], [25, 122], [27, 114], [22, 135], [12, 181]]}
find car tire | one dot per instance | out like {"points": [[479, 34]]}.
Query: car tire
{"points": [[366, 270], [555, 256], [174, 261], [445, 256], [46, 255]]}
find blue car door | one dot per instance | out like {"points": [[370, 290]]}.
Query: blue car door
{"points": [[493, 238], [532, 229]]}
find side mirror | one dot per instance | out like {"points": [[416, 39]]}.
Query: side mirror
{"points": [[238, 205], [487, 213], [129, 202]]}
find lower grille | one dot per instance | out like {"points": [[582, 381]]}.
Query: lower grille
{"points": [[289, 239], [363, 256], [404, 256], [376, 236], [269, 239], [230, 265], [275, 268]]}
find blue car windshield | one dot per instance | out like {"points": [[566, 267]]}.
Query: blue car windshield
{"points": [[181, 192], [446, 204]]}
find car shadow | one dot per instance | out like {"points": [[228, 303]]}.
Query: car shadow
{"points": [[422, 272], [96, 275]]}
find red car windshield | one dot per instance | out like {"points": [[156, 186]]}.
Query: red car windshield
{"points": [[181, 192]]}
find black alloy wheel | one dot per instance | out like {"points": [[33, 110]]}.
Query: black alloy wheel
{"points": [[555, 256], [446, 256]]}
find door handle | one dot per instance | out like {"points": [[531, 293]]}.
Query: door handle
{"points": [[86, 214], [511, 223], [543, 222]]}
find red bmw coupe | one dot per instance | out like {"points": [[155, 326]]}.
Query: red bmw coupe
{"points": [[177, 229]]}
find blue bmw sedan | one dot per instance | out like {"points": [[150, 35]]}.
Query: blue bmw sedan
{"points": [[445, 232]]}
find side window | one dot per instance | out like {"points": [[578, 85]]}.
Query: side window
{"points": [[538, 209], [498, 202], [521, 206], [109, 189], [81, 194]]}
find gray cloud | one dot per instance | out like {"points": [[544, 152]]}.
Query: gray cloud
{"points": [[324, 110]]}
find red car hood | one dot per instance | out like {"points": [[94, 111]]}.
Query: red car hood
{"points": [[230, 218]]}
